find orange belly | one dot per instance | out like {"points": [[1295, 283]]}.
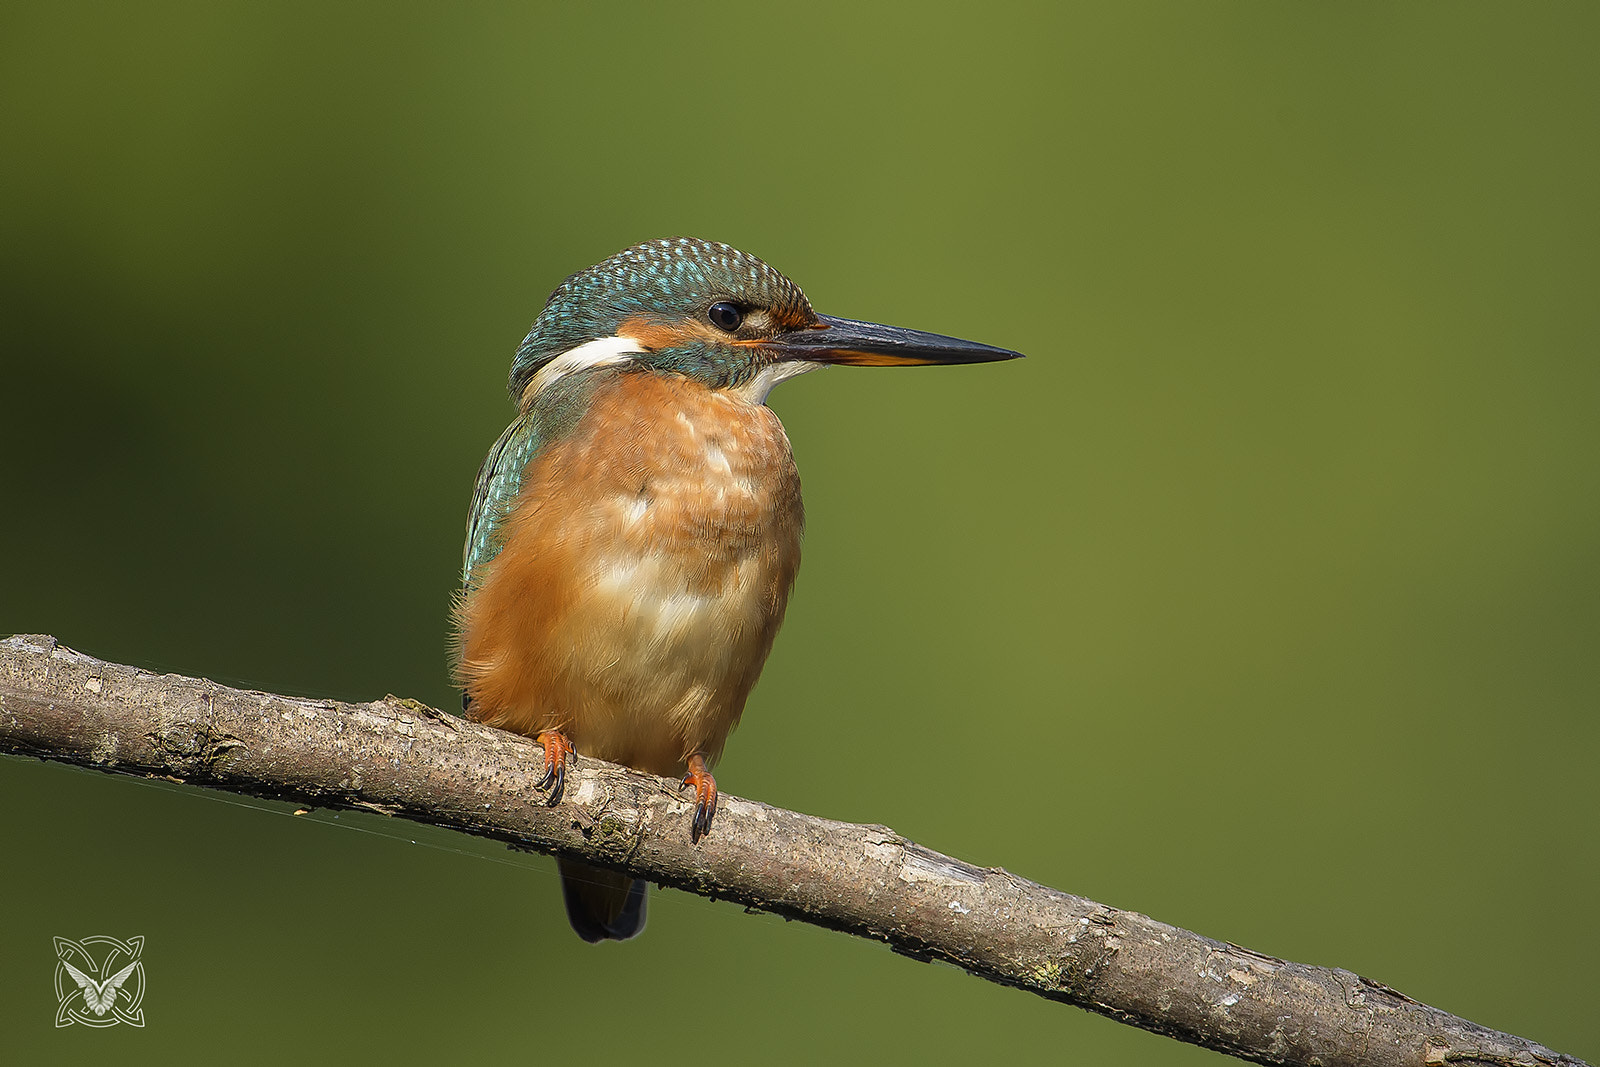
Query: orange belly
{"points": [[644, 573]]}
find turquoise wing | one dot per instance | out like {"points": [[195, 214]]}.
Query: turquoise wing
{"points": [[499, 482]]}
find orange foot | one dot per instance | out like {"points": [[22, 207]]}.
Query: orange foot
{"points": [[705, 796], [558, 752]]}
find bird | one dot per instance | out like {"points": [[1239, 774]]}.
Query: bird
{"points": [[100, 996], [635, 532]]}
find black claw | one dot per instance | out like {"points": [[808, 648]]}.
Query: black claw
{"points": [[701, 826], [555, 777]]}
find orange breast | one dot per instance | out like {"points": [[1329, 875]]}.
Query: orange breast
{"points": [[645, 571]]}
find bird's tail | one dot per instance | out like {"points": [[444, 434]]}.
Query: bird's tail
{"points": [[602, 905]]}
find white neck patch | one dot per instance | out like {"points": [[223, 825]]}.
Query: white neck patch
{"points": [[601, 352], [757, 388]]}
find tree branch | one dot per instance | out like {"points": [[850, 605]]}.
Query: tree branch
{"points": [[401, 758]]}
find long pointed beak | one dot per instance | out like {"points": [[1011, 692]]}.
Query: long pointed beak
{"points": [[868, 344]]}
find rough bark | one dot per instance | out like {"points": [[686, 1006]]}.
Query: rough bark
{"points": [[400, 758]]}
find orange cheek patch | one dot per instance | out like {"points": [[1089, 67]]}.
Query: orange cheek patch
{"points": [[658, 335]]}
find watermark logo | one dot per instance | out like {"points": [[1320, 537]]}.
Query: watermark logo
{"points": [[99, 981]]}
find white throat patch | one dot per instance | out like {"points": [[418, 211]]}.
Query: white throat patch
{"points": [[601, 352], [757, 388]]}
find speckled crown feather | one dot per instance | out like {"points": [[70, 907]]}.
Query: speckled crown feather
{"points": [[665, 278]]}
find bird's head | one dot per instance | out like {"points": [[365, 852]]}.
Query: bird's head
{"points": [[713, 313]]}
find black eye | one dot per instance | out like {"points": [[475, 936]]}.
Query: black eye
{"points": [[725, 316]]}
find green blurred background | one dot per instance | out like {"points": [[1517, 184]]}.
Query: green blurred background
{"points": [[1264, 597]]}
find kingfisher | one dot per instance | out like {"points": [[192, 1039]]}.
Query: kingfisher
{"points": [[635, 532]]}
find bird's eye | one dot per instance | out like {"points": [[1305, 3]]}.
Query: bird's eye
{"points": [[725, 316]]}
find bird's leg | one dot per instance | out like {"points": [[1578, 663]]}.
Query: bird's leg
{"points": [[705, 796], [558, 752]]}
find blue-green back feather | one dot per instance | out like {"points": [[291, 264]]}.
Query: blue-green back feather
{"points": [[499, 482], [551, 416]]}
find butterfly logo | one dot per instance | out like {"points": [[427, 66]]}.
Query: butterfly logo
{"points": [[99, 981]]}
